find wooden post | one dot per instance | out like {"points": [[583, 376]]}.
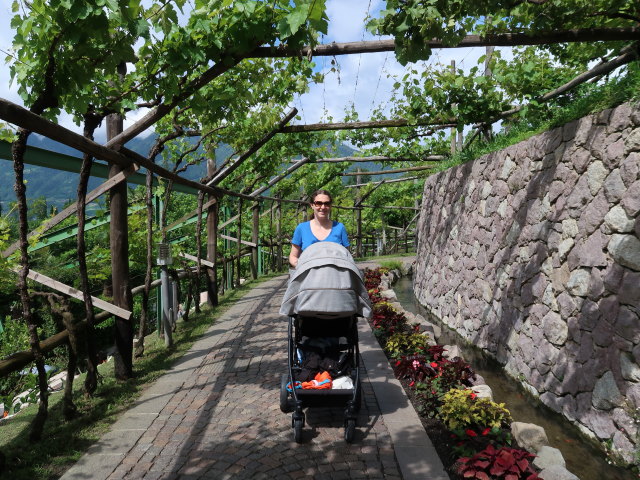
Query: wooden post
{"points": [[212, 238], [486, 131], [453, 130], [255, 234], [279, 236], [239, 243], [119, 244], [358, 218]]}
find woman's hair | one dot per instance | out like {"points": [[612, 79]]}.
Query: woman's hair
{"points": [[313, 196], [319, 192]]}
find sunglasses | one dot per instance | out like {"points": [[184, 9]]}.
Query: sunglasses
{"points": [[321, 204]]}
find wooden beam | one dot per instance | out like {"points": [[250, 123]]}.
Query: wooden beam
{"points": [[77, 294], [190, 215], [22, 117], [233, 239], [71, 209], [19, 360], [497, 40], [206, 263], [403, 179], [382, 172], [392, 207], [380, 159], [393, 123], [276, 179]]}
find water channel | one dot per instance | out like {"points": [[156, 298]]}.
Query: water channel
{"points": [[582, 459]]}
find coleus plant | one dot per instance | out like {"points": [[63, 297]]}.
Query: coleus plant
{"points": [[498, 463]]}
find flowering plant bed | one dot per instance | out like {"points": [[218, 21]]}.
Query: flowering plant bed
{"points": [[471, 434]]}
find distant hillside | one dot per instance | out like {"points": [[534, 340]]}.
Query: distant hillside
{"points": [[58, 187]]}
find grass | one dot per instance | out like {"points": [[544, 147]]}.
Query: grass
{"points": [[64, 442]]}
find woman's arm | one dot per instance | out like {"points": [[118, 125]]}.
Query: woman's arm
{"points": [[296, 250]]}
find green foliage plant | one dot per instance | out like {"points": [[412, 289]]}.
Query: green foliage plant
{"points": [[462, 408], [402, 344]]}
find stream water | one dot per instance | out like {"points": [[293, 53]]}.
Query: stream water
{"points": [[582, 459]]}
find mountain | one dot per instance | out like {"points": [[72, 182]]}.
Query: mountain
{"points": [[59, 187]]}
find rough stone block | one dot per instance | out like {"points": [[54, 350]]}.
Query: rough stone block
{"points": [[630, 168], [529, 436], [614, 153], [578, 283], [631, 200], [625, 249], [548, 456], [629, 293], [593, 215], [555, 329], [627, 324], [632, 141], [557, 472], [606, 396], [617, 221], [483, 391]]}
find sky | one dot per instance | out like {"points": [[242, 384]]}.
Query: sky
{"points": [[363, 79]]}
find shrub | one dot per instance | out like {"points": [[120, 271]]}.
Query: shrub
{"points": [[461, 409], [429, 396], [415, 368], [392, 264], [386, 321], [400, 344], [503, 463], [470, 441], [372, 278]]}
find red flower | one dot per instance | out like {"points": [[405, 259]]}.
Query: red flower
{"points": [[434, 364], [412, 383], [473, 396], [470, 432], [398, 363], [486, 431]]}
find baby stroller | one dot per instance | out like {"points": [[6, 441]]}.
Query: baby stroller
{"points": [[324, 298]]}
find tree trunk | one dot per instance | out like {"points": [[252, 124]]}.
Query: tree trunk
{"points": [[17, 150], [91, 379], [212, 239], [255, 238]]}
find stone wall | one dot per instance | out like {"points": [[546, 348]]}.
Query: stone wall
{"points": [[533, 254]]}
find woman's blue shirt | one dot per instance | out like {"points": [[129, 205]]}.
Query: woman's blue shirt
{"points": [[303, 236]]}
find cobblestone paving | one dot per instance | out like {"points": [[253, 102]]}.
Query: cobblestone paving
{"points": [[224, 421]]}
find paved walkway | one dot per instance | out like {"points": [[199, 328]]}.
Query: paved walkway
{"points": [[216, 415]]}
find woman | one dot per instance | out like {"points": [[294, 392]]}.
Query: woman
{"points": [[319, 229]]}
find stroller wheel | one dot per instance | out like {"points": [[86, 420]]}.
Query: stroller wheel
{"points": [[298, 424], [285, 406], [349, 430]]}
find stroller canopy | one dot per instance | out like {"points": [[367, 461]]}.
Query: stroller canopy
{"points": [[326, 284]]}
